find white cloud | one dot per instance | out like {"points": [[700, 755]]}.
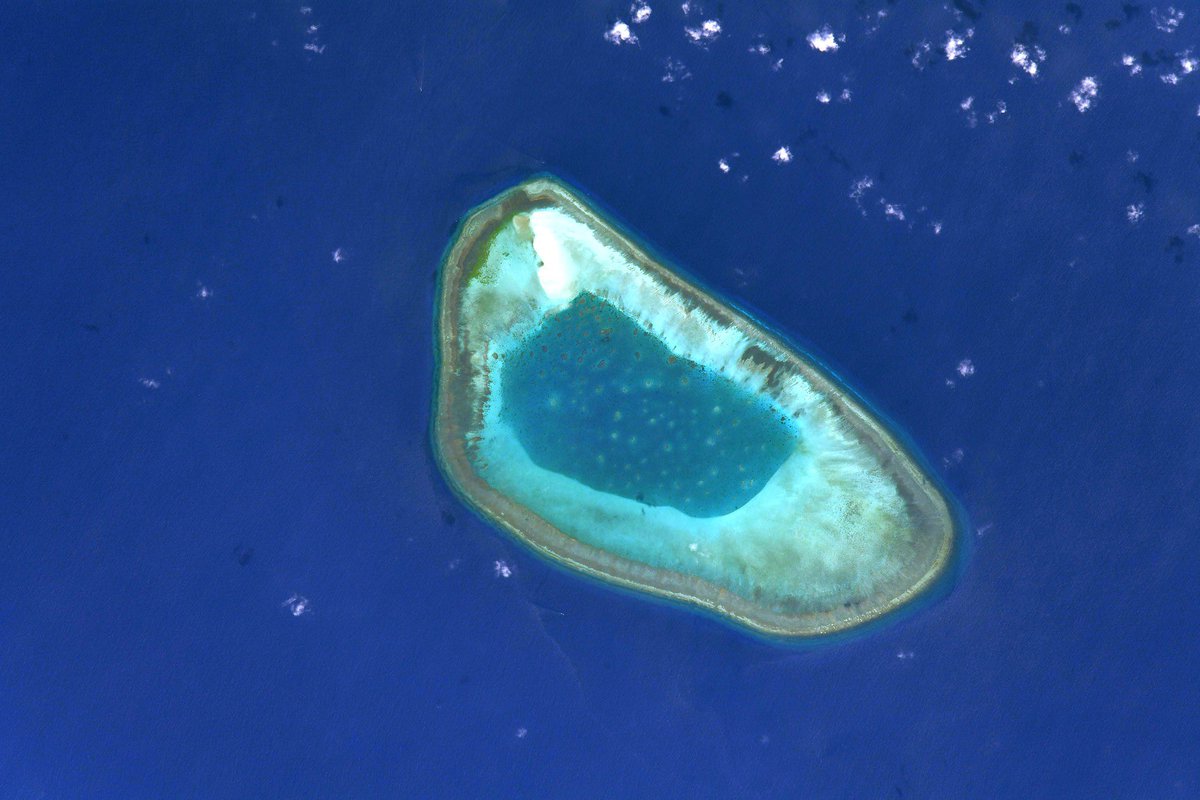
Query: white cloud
{"points": [[674, 70], [858, 189], [1085, 94], [1167, 21], [782, 156], [920, 56], [1027, 58], [620, 33], [823, 40], [708, 31], [297, 605], [956, 45], [1131, 62]]}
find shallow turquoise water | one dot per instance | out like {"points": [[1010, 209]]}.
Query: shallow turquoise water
{"points": [[594, 396]]}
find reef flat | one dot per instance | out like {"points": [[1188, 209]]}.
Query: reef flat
{"points": [[629, 424]]}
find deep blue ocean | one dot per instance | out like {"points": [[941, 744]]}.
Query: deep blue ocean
{"points": [[231, 569]]}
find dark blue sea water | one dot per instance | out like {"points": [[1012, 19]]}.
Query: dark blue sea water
{"points": [[230, 568]]}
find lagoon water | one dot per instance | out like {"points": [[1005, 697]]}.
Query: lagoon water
{"points": [[232, 569], [593, 396]]}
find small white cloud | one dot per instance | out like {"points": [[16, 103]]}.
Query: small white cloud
{"points": [[965, 368], [1135, 212], [955, 46], [674, 70], [782, 156], [1084, 95], [876, 21], [620, 33], [502, 569], [708, 31], [639, 12], [297, 605], [937, 227], [338, 255], [967, 106], [1132, 156], [150, 383], [1194, 230], [1167, 21], [845, 96], [723, 165], [1129, 61], [858, 189], [893, 211], [823, 96], [1027, 58], [920, 54], [823, 40]]}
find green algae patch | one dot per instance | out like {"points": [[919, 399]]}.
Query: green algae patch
{"points": [[631, 425]]}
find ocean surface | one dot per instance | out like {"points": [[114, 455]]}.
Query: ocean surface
{"points": [[231, 569]]}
